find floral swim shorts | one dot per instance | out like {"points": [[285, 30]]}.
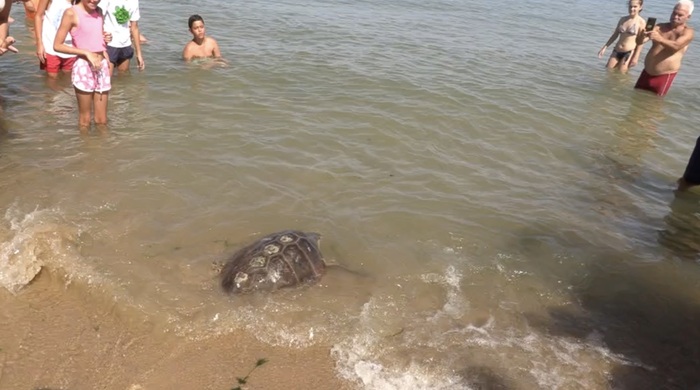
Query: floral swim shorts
{"points": [[88, 80]]}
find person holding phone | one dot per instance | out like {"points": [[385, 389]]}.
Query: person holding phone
{"points": [[627, 29], [669, 43]]}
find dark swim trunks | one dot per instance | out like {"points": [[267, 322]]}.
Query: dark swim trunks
{"points": [[622, 55], [659, 84], [692, 170], [117, 55]]}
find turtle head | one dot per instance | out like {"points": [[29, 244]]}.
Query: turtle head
{"points": [[315, 238]]}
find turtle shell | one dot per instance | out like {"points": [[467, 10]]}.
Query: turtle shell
{"points": [[283, 259]]}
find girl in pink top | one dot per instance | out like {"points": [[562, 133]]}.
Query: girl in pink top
{"points": [[90, 74]]}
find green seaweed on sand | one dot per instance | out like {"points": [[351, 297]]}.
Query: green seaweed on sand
{"points": [[244, 380]]}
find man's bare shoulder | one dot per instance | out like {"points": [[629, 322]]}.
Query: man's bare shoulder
{"points": [[687, 31]]}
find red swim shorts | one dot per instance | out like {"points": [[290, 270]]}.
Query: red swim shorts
{"points": [[55, 63], [659, 84]]}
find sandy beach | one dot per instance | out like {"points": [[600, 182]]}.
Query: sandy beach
{"points": [[53, 336]]}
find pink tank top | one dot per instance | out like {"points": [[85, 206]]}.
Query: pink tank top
{"points": [[87, 35]]}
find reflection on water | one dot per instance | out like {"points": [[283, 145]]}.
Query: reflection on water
{"points": [[638, 128], [681, 232], [634, 135]]}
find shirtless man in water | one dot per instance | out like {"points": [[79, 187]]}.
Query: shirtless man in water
{"points": [[201, 46], [669, 43]]}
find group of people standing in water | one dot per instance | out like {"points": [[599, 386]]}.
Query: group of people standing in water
{"points": [[91, 39], [670, 42], [88, 41]]}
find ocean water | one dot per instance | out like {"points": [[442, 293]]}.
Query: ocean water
{"points": [[508, 202]]}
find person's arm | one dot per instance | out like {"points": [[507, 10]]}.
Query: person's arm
{"points": [[635, 56], [641, 40], [5, 40], [613, 37], [677, 44], [67, 22], [610, 41], [30, 5], [135, 15], [642, 36], [39, 29], [136, 41], [187, 53], [107, 36], [215, 50]]}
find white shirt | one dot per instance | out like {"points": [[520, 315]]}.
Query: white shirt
{"points": [[50, 25], [121, 34]]}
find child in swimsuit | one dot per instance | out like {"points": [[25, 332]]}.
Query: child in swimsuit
{"points": [[627, 29], [90, 74]]}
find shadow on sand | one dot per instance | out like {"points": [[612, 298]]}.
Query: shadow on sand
{"points": [[647, 315]]}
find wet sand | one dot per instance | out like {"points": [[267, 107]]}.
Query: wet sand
{"points": [[54, 336]]}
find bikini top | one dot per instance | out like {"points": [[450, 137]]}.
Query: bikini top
{"points": [[632, 29]]}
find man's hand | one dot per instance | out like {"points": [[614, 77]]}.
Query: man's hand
{"points": [[40, 53], [654, 35], [140, 63]]}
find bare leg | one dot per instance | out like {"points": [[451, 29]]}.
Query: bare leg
{"points": [[100, 101], [612, 61], [123, 67], [624, 65], [84, 108], [52, 81]]}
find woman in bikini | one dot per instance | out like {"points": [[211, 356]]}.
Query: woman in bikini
{"points": [[627, 29], [90, 73]]}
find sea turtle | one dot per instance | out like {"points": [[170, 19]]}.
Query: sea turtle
{"points": [[283, 259]]}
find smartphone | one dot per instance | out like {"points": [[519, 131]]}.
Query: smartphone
{"points": [[651, 22]]}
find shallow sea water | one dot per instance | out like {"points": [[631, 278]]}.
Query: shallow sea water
{"points": [[508, 201]]}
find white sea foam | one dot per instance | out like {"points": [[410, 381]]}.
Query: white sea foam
{"points": [[32, 240], [358, 360], [19, 250], [378, 357]]}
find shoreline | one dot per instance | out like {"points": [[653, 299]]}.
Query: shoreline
{"points": [[54, 337]]}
